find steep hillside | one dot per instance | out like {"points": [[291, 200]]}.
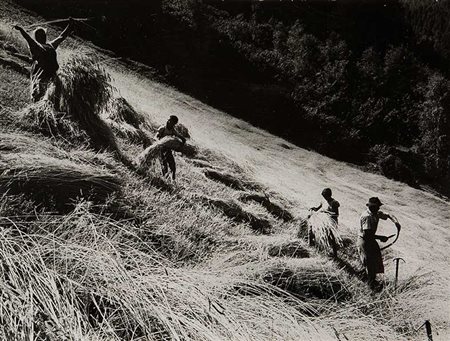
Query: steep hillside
{"points": [[368, 76], [95, 248]]}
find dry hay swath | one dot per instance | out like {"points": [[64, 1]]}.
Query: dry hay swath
{"points": [[289, 249], [310, 279], [43, 118], [324, 229], [13, 65], [232, 210], [15, 142], [126, 122], [231, 180], [273, 208], [144, 160], [52, 180]]}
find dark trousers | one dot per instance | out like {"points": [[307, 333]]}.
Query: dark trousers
{"points": [[168, 162]]}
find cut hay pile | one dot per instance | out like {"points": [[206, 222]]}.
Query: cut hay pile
{"points": [[234, 211], [84, 92], [273, 208], [290, 249], [228, 179], [126, 122], [53, 181], [310, 279], [13, 65], [144, 160], [72, 106], [325, 230], [43, 118]]}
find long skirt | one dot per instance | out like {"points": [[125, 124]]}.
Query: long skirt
{"points": [[370, 255]]}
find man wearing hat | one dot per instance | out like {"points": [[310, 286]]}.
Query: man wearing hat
{"points": [[369, 250]]}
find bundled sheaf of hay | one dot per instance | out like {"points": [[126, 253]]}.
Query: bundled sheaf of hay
{"points": [[324, 229], [126, 122], [42, 117], [273, 208], [82, 91], [49, 179], [237, 213], [182, 130], [144, 160]]}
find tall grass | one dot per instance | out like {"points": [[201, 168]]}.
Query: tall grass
{"points": [[81, 276]]}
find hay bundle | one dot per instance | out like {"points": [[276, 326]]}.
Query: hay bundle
{"points": [[51, 180], [232, 210], [182, 130], [325, 230], [83, 92], [273, 208], [144, 160], [43, 118], [126, 122]]}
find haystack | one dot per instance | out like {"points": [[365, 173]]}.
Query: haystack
{"points": [[43, 118], [54, 181], [126, 122], [84, 92], [144, 160]]}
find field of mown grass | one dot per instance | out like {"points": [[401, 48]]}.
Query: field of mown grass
{"points": [[92, 248]]}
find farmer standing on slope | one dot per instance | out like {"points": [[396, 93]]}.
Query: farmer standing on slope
{"points": [[369, 250], [330, 206], [43, 55], [167, 159]]}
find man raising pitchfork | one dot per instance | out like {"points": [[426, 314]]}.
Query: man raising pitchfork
{"points": [[43, 55]]}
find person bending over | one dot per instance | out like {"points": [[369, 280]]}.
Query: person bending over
{"points": [[167, 159]]}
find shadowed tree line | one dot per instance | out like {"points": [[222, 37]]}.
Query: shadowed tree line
{"points": [[364, 82]]}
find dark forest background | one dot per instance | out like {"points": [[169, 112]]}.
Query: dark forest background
{"points": [[361, 81]]}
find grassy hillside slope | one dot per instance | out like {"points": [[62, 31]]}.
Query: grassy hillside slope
{"points": [[370, 77], [92, 249]]}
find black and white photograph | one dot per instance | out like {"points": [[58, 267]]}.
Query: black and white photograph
{"points": [[224, 170]]}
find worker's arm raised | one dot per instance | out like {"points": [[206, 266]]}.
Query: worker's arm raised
{"points": [[64, 34], [33, 45]]}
